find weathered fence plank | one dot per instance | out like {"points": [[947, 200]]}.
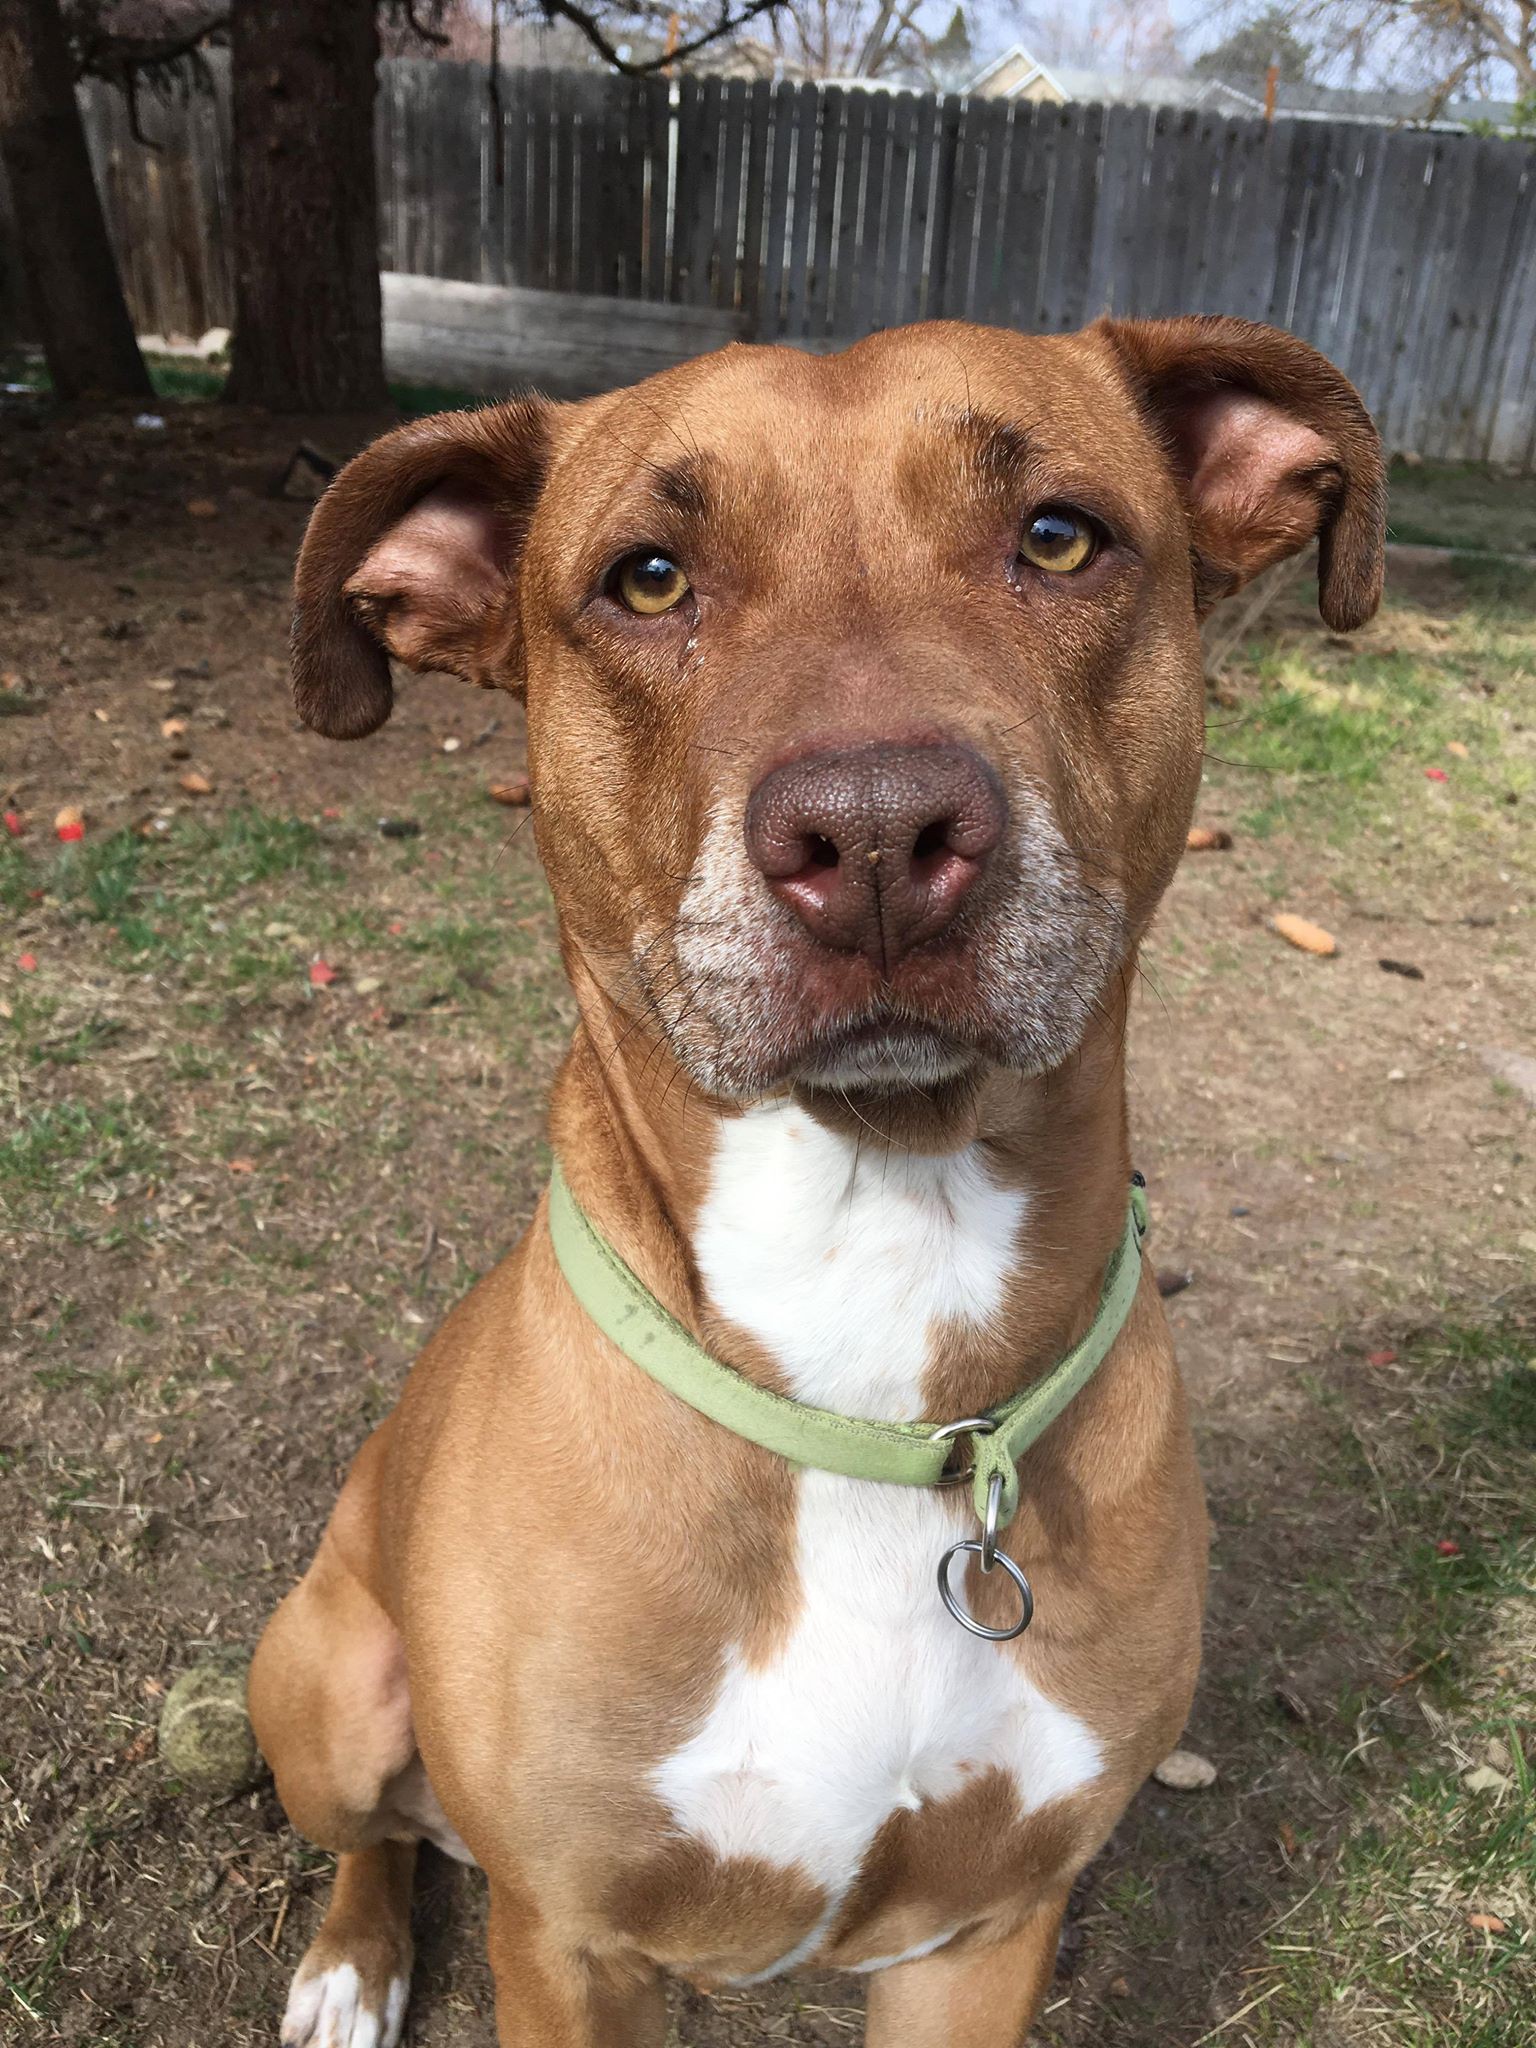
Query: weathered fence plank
{"points": [[818, 213]]}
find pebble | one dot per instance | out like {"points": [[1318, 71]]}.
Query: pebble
{"points": [[1185, 1771]]}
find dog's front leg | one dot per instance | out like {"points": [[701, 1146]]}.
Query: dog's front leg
{"points": [[549, 1996], [971, 1998]]}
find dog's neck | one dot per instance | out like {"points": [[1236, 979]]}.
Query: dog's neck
{"points": [[887, 1255]]}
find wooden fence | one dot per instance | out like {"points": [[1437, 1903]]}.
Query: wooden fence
{"points": [[811, 212]]}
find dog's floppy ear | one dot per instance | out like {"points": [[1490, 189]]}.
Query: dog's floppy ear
{"points": [[1272, 447], [413, 549]]}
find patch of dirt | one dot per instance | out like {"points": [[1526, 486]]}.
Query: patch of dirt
{"points": [[296, 1182]]}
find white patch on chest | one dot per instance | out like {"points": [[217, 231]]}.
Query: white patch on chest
{"points": [[839, 1261]]}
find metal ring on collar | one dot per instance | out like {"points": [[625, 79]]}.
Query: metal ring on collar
{"points": [[971, 1547], [989, 1526], [971, 1425]]}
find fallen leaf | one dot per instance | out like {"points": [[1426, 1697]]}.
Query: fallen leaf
{"points": [[1435, 774], [516, 790], [1287, 1836], [195, 784], [1172, 1280], [1183, 1770], [321, 974], [399, 828], [1448, 1547], [27, 962], [1310, 938], [172, 728], [1405, 968], [164, 684], [1382, 1358], [331, 812], [1207, 839], [242, 1166], [1486, 1923], [69, 823], [1455, 747], [368, 984], [395, 927], [102, 717], [15, 824], [143, 1745], [202, 508], [1486, 1779]]}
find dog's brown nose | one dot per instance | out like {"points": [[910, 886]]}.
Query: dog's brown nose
{"points": [[873, 847]]}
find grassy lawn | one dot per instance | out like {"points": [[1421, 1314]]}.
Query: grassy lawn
{"points": [[1341, 734], [1421, 1926], [1459, 505]]}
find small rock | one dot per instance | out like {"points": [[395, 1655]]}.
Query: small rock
{"points": [[1405, 968], [1185, 1771], [399, 828], [195, 784], [1171, 1281], [452, 744], [202, 508]]}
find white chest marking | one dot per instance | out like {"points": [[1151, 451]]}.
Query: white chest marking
{"points": [[839, 1264]]}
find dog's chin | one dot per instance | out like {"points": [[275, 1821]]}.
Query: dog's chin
{"points": [[884, 1060], [873, 1057]]}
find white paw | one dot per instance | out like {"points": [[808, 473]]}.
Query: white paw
{"points": [[328, 2009]]}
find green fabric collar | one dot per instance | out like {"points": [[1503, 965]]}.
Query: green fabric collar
{"points": [[899, 1453]]}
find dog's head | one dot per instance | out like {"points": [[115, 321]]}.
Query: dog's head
{"points": [[864, 693]]}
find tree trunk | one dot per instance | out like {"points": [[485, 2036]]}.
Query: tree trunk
{"points": [[308, 320], [72, 281]]}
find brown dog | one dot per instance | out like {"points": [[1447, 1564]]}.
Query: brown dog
{"points": [[865, 718]]}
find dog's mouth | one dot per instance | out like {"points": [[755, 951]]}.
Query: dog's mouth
{"points": [[882, 1050]]}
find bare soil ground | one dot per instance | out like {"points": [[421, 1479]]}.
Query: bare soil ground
{"points": [[236, 1196]]}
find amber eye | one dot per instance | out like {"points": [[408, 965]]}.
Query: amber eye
{"points": [[1059, 540], [649, 584]]}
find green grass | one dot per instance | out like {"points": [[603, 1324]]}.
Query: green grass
{"points": [[159, 895], [1462, 505], [186, 378], [70, 1148], [1327, 731], [1382, 1952]]}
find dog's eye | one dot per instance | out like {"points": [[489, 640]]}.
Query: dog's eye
{"points": [[649, 584], [1058, 540]]}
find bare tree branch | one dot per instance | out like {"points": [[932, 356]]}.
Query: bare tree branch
{"points": [[587, 23]]}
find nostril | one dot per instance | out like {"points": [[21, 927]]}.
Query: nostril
{"points": [[820, 853], [932, 839]]}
